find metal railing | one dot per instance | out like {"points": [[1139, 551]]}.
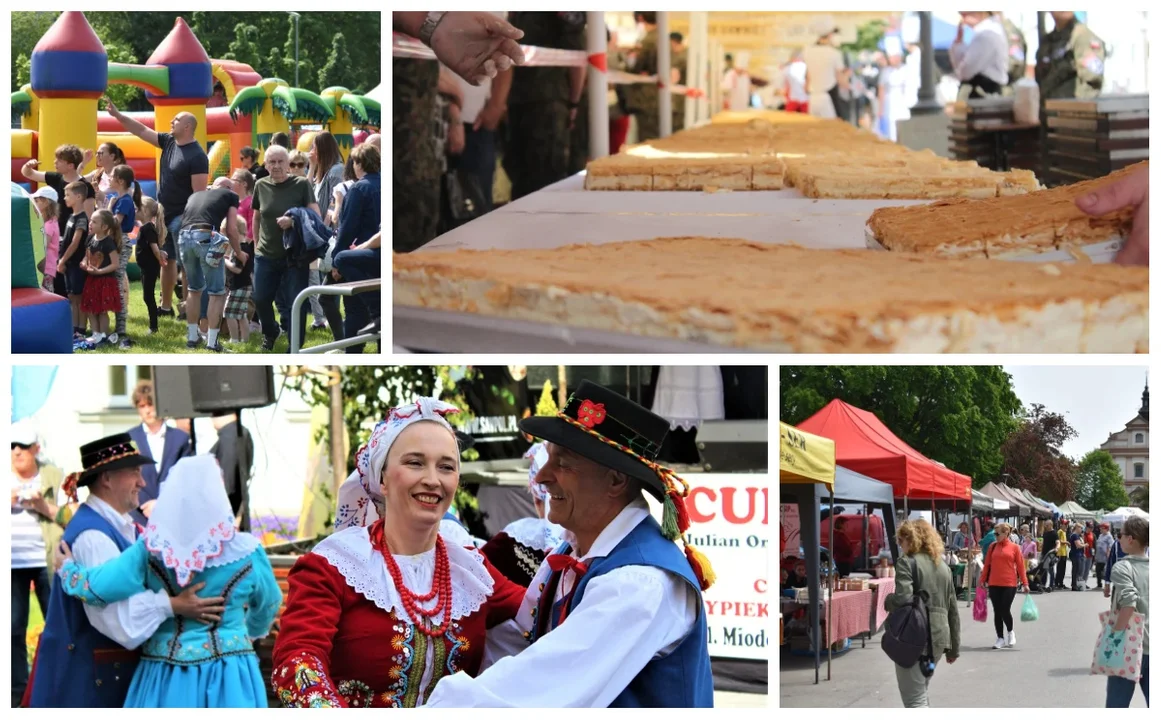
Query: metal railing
{"points": [[347, 289]]}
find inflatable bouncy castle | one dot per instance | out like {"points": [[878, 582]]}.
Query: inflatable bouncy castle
{"points": [[71, 70], [41, 321]]}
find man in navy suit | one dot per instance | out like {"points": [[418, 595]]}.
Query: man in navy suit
{"points": [[156, 440]]}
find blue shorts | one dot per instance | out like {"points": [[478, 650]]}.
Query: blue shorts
{"points": [[202, 252], [75, 279]]}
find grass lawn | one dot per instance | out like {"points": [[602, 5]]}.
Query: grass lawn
{"points": [[171, 335]]}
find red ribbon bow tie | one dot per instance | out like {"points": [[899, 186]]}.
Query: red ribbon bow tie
{"points": [[560, 563]]}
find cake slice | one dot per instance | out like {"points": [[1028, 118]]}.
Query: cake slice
{"points": [[782, 298], [1000, 227], [619, 172]]}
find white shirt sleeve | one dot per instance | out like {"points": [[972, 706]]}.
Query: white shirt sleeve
{"points": [[636, 612], [979, 56], [129, 622]]}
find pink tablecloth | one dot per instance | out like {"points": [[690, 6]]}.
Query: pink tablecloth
{"points": [[852, 614], [882, 587]]}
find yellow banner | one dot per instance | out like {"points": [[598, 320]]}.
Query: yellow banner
{"points": [[804, 458]]}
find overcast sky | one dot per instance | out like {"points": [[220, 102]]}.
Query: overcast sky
{"points": [[1096, 401]]}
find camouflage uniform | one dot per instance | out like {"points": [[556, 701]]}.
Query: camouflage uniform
{"points": [[539, 141], [1017, 52], [1070, 63], [679, 61], [416, 162], [641, 98]]}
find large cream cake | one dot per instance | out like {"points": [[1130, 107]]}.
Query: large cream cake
{"points": [[783, 298], [1038, 222]]}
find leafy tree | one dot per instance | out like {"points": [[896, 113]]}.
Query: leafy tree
{"points": [[1033, 460], [331, 73], [27, 29], [1099, 482], [244, 47], [867, 37], [957, 415], [1140, 497]]}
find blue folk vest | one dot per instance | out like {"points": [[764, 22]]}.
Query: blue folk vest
{"points": [[76, 666], [681, 679]]}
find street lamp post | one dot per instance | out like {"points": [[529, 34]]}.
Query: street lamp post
{"points": [[296, 16], [927, 105]]}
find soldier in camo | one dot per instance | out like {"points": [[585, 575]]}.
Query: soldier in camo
{"points": [[641, 98], [417, 162], [1017, 52], [543, 103], [1070, 63], [678, 59]]}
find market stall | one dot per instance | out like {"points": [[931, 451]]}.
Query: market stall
{"points": [[864, 444], [806, 467], [1074, 511]]}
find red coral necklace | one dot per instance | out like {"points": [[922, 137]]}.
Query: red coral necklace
{"points": [[441, 588]]}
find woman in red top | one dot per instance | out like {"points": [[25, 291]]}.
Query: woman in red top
{"points": [[377, 615], [1003, 574]]}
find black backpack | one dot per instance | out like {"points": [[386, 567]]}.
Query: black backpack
{"points": [[907, 632]]}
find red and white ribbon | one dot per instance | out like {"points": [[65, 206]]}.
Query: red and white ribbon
{"points": [[405, 46]]}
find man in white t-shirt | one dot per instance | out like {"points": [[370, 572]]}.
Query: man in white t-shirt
{"points": [[483, 109], [34, 532], [826, 70], [736, 84]]}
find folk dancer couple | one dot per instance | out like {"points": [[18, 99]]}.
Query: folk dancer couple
{"points": [[399, 609], [125, 625]]}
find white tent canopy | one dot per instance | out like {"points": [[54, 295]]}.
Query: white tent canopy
{"points": [[1118, 516], [1074, 511]]}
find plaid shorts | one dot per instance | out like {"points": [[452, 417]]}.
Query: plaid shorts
{"points": [[238, 304]]}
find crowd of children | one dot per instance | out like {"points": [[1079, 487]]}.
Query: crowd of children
{"points": [[92, 224]]}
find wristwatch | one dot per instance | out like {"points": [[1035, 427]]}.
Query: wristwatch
{"points": [[427, 29]]}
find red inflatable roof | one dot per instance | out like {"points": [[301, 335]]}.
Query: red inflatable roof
{"points": [[179, 46], [864, 444], [70, 32]]}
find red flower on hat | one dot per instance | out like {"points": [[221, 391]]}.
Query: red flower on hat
{"points": [[591, 413]]}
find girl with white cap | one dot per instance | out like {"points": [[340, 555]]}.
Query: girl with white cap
{"points": [[204, 662], [385, 607]]}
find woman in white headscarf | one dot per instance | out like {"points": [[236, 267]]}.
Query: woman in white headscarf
{"points": [[519, 548], [191, 539], [384, 608]]}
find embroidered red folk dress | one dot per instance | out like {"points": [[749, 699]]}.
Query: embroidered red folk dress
{"points": [[346, 637]]}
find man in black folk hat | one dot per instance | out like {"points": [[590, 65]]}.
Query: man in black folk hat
{"points": [[614, 615], [86, 655]]}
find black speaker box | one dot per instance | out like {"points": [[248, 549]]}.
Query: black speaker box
{"points": [[204, 390]]}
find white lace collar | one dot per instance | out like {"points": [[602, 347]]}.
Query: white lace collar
{"points": [[535, 533], [350, 552]]}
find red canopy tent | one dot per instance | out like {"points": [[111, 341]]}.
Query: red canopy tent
{"points": [[864, 444]]}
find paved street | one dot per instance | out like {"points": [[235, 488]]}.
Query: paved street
{"points": [[1049, 667]]}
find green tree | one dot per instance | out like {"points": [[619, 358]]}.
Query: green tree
{"points": [[1033, 460], [867, 37], [332, 73], [1099, 482], [27, 29], [243, 47], [957, 415]]}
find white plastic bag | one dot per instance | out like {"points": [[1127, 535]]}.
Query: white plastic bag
{"points": [[1026, 108]]}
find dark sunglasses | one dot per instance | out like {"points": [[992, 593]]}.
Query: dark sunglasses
{"points": [[22, 446], [297, 164]]}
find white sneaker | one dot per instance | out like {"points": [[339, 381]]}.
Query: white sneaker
{"points": [[1011, 638], [1000, 644]]}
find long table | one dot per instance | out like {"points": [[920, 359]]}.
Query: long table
{"points": [[565, 213]]}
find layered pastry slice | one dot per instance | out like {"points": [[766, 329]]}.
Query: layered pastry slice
{"points": [[782, 298], [1001, 227]]}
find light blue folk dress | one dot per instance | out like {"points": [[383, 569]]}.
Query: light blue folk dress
{"points": [[188, 663]]}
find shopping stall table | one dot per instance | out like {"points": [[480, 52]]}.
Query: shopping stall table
{"points": [[881, 588]]}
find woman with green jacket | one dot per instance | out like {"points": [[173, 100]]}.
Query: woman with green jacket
{"points": [[922, 548]]}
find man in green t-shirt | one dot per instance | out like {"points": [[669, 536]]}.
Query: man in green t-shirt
{"points": [[275, 280]]}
